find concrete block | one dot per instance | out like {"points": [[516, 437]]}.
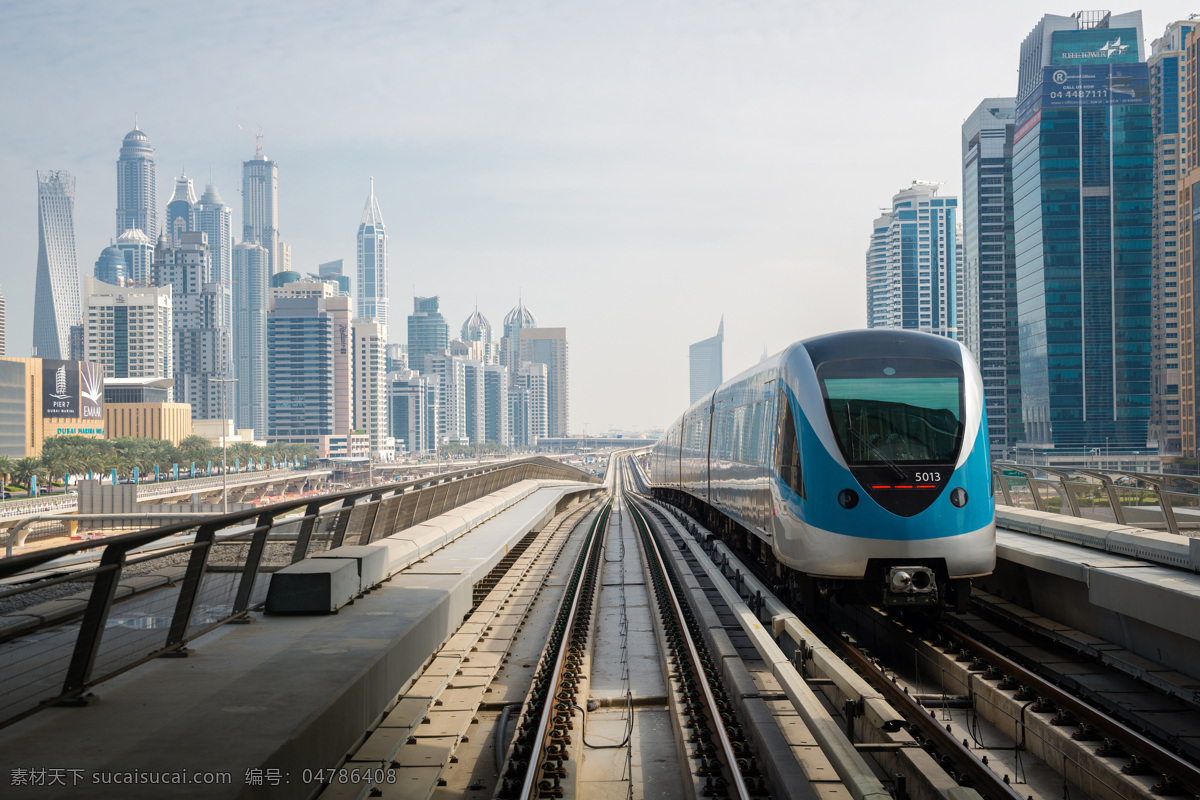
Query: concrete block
{"points": [[313, 586], [372, 562]]}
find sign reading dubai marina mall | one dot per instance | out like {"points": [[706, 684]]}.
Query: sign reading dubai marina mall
{"points": [[72, 389]]}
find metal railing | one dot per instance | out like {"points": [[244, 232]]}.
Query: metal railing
{"points": [[147, 489], [1146, 500], [101, 620]]}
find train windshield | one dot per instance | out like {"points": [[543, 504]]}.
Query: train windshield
{"points": [[894, 410]]}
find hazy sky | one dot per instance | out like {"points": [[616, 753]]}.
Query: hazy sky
{"points": [[636, 169]]}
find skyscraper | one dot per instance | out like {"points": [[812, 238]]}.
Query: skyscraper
{"points": [[916, 287], [300, 371], [408, 392], [450, 372], [137, 186], [989, 265], [528, 402], [110, 266], [3, 328], [428, 332], [705, 364], [334, 271], [370, 391], [1083, 178], [181, 211], [129, 330], [549, 346], [1167, 93], [497, 426], [138, 252], [251, 301], [516, 321], [476, 328], [56, 305], [215, 220], [372, 264], [260, 205], [475, 400], [203, 346]]}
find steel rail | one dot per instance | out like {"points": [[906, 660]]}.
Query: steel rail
{"points": [[971, 767], [1136, 743], [530, 783], [729, 756]]}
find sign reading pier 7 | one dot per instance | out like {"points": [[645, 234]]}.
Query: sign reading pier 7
{"points": [[60, 388], [1095, 85]]}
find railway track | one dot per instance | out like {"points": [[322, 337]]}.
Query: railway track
{"points": [[543, 760]]}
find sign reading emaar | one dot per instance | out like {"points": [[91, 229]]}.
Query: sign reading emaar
{"points": [[1095, 46]]}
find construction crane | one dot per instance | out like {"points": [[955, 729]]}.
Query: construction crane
{"points": [[258, 137]]}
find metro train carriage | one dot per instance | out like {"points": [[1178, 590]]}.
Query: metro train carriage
{"points": [[853, 463]]}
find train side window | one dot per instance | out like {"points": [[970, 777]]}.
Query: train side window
{"points": [[787, 450]]}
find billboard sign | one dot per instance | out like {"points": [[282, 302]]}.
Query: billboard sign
{"points": [[60, 388], [91, 390], [1095, 85], [72, 389], [1095, 46]]}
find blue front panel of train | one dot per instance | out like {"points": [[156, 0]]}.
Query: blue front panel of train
{"points": [[824, 478]]}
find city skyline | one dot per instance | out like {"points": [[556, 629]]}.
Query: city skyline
{"points": [[601, 186]]}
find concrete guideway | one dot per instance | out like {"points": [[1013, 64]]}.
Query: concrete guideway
{"points": [[277, 702]]}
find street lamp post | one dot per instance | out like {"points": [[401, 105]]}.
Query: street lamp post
{"points": [[224, 446]]}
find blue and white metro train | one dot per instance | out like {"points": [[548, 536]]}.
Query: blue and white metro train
{"points": [[854, 463]]}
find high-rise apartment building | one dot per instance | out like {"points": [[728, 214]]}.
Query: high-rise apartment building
{"points": [[475, 400], [138, 252], [705, 364], [1168, 87], [428, 332], [215, 220], [515, 321], [549, 346], [300, 371], [260, 206], [3, 328], [110, 266], [203, 340], [497, 425], [370, 389], [408, 395], [129, 329], [397, 357], [181, 211], [137, 186], [528, 405], [372, 263], [476, 328], [251, 302], [916, 286], [56, 304], [989, 266], [450, 371], [1083, 182], [1189, 255]]}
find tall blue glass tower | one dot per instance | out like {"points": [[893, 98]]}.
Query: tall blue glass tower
{"points": [[1083, 180]]}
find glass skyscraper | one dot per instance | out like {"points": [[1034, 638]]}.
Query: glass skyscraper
{"points": [[56, 305], [372, 264], [137, 185], [705, 364], [260, 206], [912, 263], [251, 301], [180, 216], [988, 267], [428, 332], [1167, 91], [215, 220], [1083, 163]]}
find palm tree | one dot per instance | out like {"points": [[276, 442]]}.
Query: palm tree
{"points": [[7, 466], [25, 469]]}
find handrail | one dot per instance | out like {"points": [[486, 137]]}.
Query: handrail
{"points": [[1074, 485], [237, 583]]}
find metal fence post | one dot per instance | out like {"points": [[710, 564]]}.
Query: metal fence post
{"points": [[190, 588], [91, 627], [304, 536], [258, 543], [339, 533]]}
